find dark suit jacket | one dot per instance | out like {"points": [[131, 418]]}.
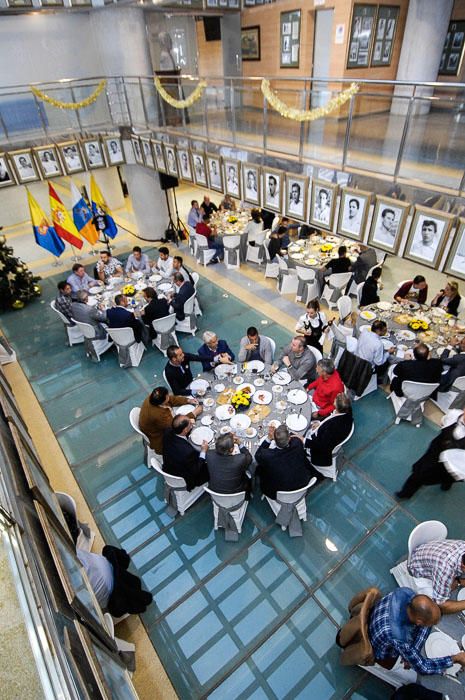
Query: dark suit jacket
{"points": [[156, 308], [185, 291], [365, 261], [369, 292], [338, 265], [282, 470], [227, 472], [119, 317], [180, 458], [330, 433], [452, 306], [428, 371], [207, 355], [457, 369], [180, 377]]}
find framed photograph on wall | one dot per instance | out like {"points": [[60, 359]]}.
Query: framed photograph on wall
{"points": [[452, 53], [323, 204], [361, 36], [147, 153], [250, 43], [7, 176], [157, 148], [72, 157], [296, 196], [272, 182], [353, 213], [215, 176], [93, 153], [24, 165], [184, 164], [387, 224], [455, 263], [251, 183], [199, 168], [137, 150], [114, 150], [427, 235], [170, 160], [232, 177], [386, 26], [290, 39], [49, 163]]}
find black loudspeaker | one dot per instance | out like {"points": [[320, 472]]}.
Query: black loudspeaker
{"points": [[212, 28], [167, 182]]}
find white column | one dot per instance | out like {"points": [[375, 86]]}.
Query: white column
{"points": [[120, 34], [148, 201]]}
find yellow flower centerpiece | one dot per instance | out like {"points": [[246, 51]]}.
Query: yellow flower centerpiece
{"points": [[128, 290], [417, 324], [232, 219], [241, 400], [326, 248]]}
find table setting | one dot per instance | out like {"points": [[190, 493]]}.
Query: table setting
{"points": [[132, 287], [232, 223], [319, 250]]}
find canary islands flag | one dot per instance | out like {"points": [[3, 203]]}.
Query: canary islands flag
{"points": [[82, 216], [99, 207], [44, 233], [62, 221]]}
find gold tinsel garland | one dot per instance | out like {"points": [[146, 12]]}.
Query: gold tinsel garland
{"points": [[69, 105], [180, 104], [302, 115]]}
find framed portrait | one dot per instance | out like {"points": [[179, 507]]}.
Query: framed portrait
{"points": [[353, 213], [72, 158], [323, 204], [215, 175], [7, 176], [272, 182], [386, 26], [296, 191], [232, 177], [157, 148], [24, 165], [362, 31], [136, 147], [452, 53], [48, 160], [290, 38], [184, 164], [455, 263], [428, 233], [147, 153], [250, 43], [199, 168], [114, 150], [170, 160], [93, 153], [251, 183], [388, 223]]}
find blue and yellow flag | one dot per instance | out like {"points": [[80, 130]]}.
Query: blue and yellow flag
{"points": [[100, 208], [82, 216], [44, 232]]}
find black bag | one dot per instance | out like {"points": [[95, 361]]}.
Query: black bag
{"points": [[170, 234]]}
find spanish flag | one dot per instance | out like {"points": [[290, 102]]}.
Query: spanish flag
{"points": [[64, 225], [44, 233], [99, 206], [82, 216]]}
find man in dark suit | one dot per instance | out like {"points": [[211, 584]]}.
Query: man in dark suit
{"points": [[81, 311], [156, 308], [227, 471], [285, 468], [177, 370], [214, 352], [331, 432], [180, 458], [120, 317], [456, 365], [420, 369], [185, 291], [370, 288], [364, 262]]}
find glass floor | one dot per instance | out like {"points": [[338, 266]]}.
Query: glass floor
{"points": [[257, 618]]}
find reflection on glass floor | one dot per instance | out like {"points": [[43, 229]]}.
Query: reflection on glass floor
{"points": [[257, 618]]}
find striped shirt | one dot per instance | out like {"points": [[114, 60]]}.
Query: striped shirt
{"points": [[439, 561]]}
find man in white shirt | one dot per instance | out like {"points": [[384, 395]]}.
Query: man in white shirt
{"points": [[386, 230], [232, 184], [351, 221], [425, 245], [100, 574], [370, 347], [79, 279], [164, 264], [138, 261], [296, 204], [215, 180], [272, 195], [194, 216], [251, 186], [72, 158]]}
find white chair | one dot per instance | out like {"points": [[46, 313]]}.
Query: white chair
{"points": [[428, 531], [189, 324], [359, 292], [86, 536], [197, 310], [290, 507], [178, 498], [307, 288], [340, 334], [317, 353], [166, 333], [94, 347], [334, 287], [204, 254], [380, 257], [74, 334], [192, 241], [411, 405], [255, 252], [129, 351], [372, 384], [149, 453], [228, 512], [271, 269], [121, 644], [232, 252], [445, 398], [287, 278], [273, 345], [396, 676], [344, 307], [454, 463], [331, 472]]}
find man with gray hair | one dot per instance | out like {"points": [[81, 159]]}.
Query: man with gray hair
{"points": [[214, 352], [325, 388], [226, 470], [285, 468], [298, 360], [81, 311]]}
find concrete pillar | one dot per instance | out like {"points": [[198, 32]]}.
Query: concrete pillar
{"points": [[120, 34], [148, 201]]}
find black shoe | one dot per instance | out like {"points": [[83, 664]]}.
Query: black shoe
{"points": [[401, 494], [213, 262], [446, 486]]}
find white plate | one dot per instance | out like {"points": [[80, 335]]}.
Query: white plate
{"points": [[461, 594], [282, 377], [225, 429], [225, 412], [255, 364], [198, 435], [184, 410], [297, 256], [199, 384], [281, 405], [155, 278], [250, 432], [297, 396], [311, 261], [405, 335], [263, 397], [116, 280], [209, 402], [222, 370], [206, 420], [92, 301], [237, 380], [368, 315], [439, 644], [94, 290], [248, 385], [259, 381], [140, 286], [384, 305], [274, 423], [277, 389], [365, 327], [240, 421], [165, 287], [219, 388], [413, 305], [296, 422]]}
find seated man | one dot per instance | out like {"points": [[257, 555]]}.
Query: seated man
{"points": [[156, 308], [330, 432], [370, 288], [420, 369], [255, 347], [362, 265], [228, 203], [100, 574], [334, 266], [79, 279], [412, 290], [214, 242], [195, 215], [108, 266], [156, 414], [443, 562], [399, 625], [278, 243], [177, 370], [285, 468], [138, 261], [178, 266], [214, 352], [184, 292], [208, 206], [325, 388], [81, 311], [226, 470], [63, 300], [180, 458], [164, 264], [370, 348], [455, 364], [298, 360], [119, 317]]}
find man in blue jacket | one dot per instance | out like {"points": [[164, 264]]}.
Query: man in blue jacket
{"points": [[214, 352], [120, 317]]}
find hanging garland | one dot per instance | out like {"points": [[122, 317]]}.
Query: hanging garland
{"points": [[70, 105], [180, 104], [302, 115]]}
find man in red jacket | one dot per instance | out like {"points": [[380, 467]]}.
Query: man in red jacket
{"points": [[214, 242], [327, 386], [412, 290]]}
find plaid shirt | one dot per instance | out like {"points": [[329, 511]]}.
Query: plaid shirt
{"points": [[440, 562], [63, 303], [390, 614]]}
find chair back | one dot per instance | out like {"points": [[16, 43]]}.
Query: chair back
{"points": [[122, 336], [305, 273], [166, 380], [381, 257], [283, 266], [359, 292], [57, 311], [273, 345], [459, 384], [134, 414], [195, 276], [267, 252], [370, 271], [226, 500], [157, 466], [344, 304], [189, 305], [67, 503], [294, 496], [428, 531], [165, 324], [86, 329], [231, 242], [201, 241], [339, 279], [174, 481], [316, 352], [339, 334], [417, 391], [339, 446], [259, 238]]}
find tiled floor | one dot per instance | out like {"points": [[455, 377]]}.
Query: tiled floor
{"points": [[255, 619]]}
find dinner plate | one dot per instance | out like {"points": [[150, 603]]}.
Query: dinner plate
{"points": [[225, 429], [368, 315], [208, 403], [225, 411], [240, 421], [247, 385], [461, 594], [438, 311], [255, 365], [250, 432], [222, 370], [440, 644], [115, 280], [277, 389], [95, 290], [282, 378], [165, 287], [137, 275], [296, 422], [365, 327], [184, 409], [140, 286], [206, 420], [155, 278], [262, 397], [219, 388], [237, 380], [311, 261], [413, 305], [198, 435], [297, 396], [281, 405], [274, 423], [297, 256], [199, 384], [92, 301], [259, 381], [384, 305], [405, 335]]}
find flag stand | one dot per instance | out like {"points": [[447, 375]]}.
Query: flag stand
{"points": [[106, 241], [75, 257], [57, 262]]}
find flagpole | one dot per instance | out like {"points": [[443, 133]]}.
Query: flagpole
{"points": [[75, 257], [57, 262]]}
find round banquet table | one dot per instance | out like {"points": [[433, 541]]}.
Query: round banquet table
{"points": [[309, 254], [105, 295], [237, 228]]}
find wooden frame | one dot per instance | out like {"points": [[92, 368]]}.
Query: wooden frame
{"points": [[453, 51], [170, 159], [360, 44], [296, 185], [427, 236], [290, 23], [232, 177], [137, 150], [159, 155], [353, 213], [115, 154], [250, 43], [272, 183], [12, 414], [7, 172], [384, 35], [147, 154], [24, 165], [388, 223], [455, 263], [322, 211], [72, 157], [183, 155], [199, 168], [215, 179], [251, 183], [93, 153], [48, 161]]}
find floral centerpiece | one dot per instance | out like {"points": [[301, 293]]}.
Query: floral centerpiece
{"points": [[232, 219], [327, 248], [418, 324], [241, 399], [128, 290]]}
